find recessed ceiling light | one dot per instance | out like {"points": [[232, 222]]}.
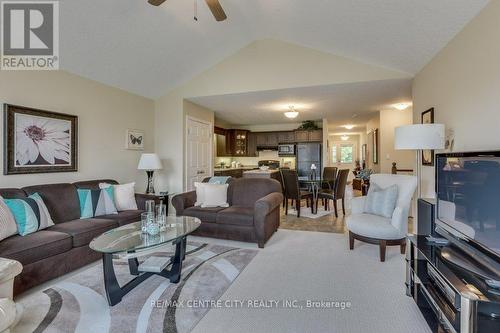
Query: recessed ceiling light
{"points": [[292, 113], [344, 137], [349, 127], [401, 106]]}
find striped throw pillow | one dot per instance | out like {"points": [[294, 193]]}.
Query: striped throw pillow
{"points": [[31, 214], [8, 226], [96, 202]]}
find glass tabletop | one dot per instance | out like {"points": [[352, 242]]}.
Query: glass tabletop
{"points": [[129, 238]]}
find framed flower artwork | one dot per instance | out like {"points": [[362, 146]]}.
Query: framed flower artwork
{"points": [[38, 141]]}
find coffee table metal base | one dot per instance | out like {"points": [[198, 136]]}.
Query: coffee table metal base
{"points": [[115, 293]]}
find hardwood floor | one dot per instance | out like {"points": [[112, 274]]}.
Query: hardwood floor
{"points": [[327, 223]]}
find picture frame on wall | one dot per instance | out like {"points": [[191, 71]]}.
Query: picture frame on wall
{"points": [[39, 141], [375, 146], [134, 139], [363, 152], [427, 117]]}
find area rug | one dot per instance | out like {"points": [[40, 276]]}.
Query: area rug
{"points": [[78, 304]]}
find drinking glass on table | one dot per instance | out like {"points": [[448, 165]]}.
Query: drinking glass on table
{"points": [[146, 219], [161, 216], [150, 206]]}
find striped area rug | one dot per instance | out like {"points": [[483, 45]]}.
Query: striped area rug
{"points": [[78, 304]]}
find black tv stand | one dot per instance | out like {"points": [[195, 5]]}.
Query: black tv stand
{"points": [[451, 298]]}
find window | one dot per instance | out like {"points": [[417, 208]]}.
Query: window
{"points": [[346, 152]]}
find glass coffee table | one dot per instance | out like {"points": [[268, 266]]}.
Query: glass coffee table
{"points": [[128, 241]]}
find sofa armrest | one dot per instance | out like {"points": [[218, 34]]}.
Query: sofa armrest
{"points": [[264, 220], [183, 201], [141, 198], [358, 205]]}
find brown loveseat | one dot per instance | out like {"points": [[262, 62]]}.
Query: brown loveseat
{"points": [[253, 214], [55, 251]]}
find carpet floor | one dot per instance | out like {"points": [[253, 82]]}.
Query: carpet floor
{"points": [[267, 290], [317, 266], [78, 303]]}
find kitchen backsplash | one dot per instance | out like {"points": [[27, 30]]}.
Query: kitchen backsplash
{"points": [[263, 155]]}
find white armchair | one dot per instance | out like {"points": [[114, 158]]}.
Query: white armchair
{"points": [[9, 312], [376, 229]]}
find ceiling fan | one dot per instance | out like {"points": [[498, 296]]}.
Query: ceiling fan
{"points": [[214, 6]]}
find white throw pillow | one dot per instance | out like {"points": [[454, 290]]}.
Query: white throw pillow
{"points": [[124, 196], [211, 195], [8, 226], [200, 193], [380, 201]]}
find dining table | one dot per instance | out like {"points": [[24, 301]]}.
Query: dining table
{"points": [[314, 185]]}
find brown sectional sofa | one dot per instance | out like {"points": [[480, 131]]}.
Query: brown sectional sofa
{"points": [[253, 214], [52, 252]]}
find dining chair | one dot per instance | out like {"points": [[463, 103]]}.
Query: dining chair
{"points": [[337, 192], [329, 176], [293, 191]]}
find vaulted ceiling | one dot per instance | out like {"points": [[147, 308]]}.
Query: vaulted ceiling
{"points": [[150, 50]]}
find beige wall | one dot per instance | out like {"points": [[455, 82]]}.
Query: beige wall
{"points": [[262, 65], [104, 114], [389, 120], [462, 83]]}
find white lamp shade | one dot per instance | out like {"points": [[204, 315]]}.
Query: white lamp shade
{"points": [[150, 162], [419, 136]]}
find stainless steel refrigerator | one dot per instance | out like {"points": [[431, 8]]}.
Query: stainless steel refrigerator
{"points": [[308, 154]]}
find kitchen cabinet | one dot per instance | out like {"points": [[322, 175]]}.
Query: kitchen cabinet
{"points": [[252, 145], [309, 136], [239, 140], [316, 136], [223, 142], [286, 137], [267, 139]]}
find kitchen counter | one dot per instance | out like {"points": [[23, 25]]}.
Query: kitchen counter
{"points": [[274, 174], [249, 167]]}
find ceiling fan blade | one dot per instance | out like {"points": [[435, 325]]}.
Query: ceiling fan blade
{"points": [[156, 2], [216, 9]]}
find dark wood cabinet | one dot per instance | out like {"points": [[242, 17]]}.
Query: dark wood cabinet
{"points": [[252, 145], [239, 141], [267, 139], [309, 136], [316, 136], [223, 142], [286, 137]]}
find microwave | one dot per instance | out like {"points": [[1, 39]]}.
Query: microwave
{"points": [[286, 150]]}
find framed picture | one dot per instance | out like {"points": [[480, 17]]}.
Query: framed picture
{"points": [[135, 139], [428, 155], [363, 152], [38, 141], [375, 146]]}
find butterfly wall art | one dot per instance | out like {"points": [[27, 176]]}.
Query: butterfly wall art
{"points": [[135, 139]]}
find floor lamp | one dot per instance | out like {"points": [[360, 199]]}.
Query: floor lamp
{"points": [[419, 137]]}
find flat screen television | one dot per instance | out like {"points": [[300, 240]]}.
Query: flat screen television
{"points": [[468, 200]]}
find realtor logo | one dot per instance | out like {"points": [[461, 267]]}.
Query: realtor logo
{"points": [[30, 35]]}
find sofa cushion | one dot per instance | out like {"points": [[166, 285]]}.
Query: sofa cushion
{"points": [[60, 199], [236, 215], [125, 217], [83, 231], [204, 214], [373, 226], [34, 247], [246, 191]]}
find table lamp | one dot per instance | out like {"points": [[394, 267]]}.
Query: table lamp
{"points": [[419, 137], [150, 163]]}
